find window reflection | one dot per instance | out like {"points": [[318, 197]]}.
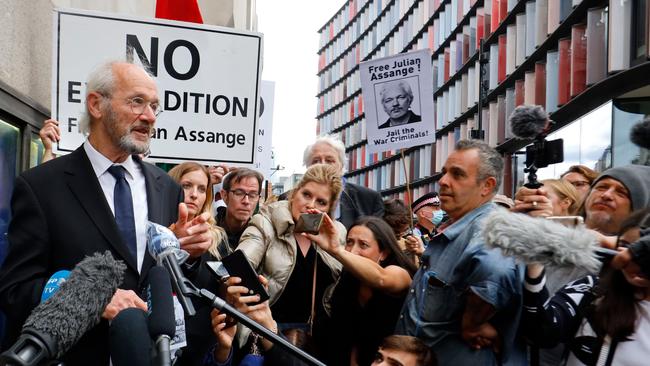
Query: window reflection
{"points": [[9, 140], [627, 113], [36, 150]]}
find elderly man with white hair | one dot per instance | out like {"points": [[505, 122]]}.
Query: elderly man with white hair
{"points": [[355, 200]]}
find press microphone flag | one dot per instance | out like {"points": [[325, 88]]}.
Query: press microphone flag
{"points": [[54, 283], [165, 248]]}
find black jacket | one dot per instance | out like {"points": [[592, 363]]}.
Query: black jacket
{"points": [[357, 201], [59, 216]]}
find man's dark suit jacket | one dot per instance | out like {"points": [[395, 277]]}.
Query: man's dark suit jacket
{"points": [[412, 118], [59, 216], [357, 201]]}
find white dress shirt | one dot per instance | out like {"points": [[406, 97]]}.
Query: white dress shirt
{"points": [[135, 178]]}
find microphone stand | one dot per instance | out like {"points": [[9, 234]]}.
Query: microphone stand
{"points": [[189, 289], [222, 306]]}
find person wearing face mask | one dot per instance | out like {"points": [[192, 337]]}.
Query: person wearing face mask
{"points": [[429, 215]]}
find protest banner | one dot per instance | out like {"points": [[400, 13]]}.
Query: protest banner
{"points": [[398, 95], [208, 81], [263, 152]]}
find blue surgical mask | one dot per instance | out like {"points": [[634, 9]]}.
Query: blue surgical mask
{"points": [[437, 216]]}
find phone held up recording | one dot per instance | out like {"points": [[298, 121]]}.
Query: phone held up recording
{"points": [[309, 223]]}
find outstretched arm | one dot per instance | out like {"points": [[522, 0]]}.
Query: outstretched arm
{"points": [[391, 279]]}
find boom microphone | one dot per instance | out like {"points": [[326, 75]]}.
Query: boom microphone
{"points": [[640, 134], [537, 240], [162, 324], [528, 121], [55, 325], [129, 338]]}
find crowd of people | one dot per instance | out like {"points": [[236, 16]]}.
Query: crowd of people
{"points": [[378, 283]]}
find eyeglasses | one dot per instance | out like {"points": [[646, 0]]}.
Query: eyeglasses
{"points": [[240, 194], [139, 105]]}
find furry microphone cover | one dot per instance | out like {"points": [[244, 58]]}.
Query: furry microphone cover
{"points": [[79, 303], [537, 240], [528, 121]]}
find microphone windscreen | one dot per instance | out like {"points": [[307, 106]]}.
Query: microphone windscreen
{"points": [[160, 239], [161, 304], [537, 240], [52, 285], [79, 303], [528, 121], [129, 340], [640, 134]]}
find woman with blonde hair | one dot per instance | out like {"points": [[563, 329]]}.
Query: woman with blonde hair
{"points": [[194, 178], [298, 271], [564, 197]]}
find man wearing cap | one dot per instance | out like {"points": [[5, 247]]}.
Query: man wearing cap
{"points": [[427, 209], [615, 194]]}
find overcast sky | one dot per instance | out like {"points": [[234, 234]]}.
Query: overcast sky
{"points": [[290, 60]]}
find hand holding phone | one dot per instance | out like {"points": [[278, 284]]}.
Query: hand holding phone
{"points": [[238, 266], [309, 223]]}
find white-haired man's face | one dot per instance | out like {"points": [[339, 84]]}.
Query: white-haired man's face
{"points": [[322, 153], [396, 101]]}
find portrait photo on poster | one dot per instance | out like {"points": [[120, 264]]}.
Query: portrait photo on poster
{"points": [[398, 102]]}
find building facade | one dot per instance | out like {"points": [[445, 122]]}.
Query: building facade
{"points": [[585, 62]]}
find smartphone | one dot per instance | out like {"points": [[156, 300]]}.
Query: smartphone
{"points": [[309, 223], [238, 266], [568, 221]]}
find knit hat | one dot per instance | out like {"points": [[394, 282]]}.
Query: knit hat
{"points": [[636, 178], [429, 199]]}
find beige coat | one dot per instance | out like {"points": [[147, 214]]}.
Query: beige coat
{"points": [[270, 246]]}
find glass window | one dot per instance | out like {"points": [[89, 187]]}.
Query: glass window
{"points": [[586, 142], [628, 112], [9, 144], [36, 150]]}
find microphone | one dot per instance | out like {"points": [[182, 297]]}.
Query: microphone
{"points": [[55, 325], [129, 338], [162, 322], [165, 248], [528, 121], [640, 134], [52, 285], [537, 240]]}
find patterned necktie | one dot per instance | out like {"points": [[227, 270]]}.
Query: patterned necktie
{"points": [[123, 205]]}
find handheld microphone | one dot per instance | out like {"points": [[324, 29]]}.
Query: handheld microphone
{"points": [[537, 240], [129, 338], [52, 285], [165, 248], [528, 121], [640, 134], [55, 325], [162, 324]]}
